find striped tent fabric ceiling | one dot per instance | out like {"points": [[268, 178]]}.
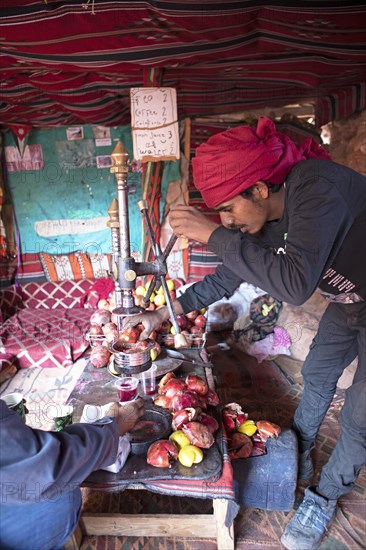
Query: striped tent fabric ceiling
{"points": [[73, 61]]}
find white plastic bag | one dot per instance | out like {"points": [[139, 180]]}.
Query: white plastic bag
{"points": [[90, 414]]}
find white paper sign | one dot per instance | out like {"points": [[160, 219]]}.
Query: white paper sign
{"points": [[51, 228], [155, 133]]}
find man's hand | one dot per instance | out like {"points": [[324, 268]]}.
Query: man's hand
{"points": [[127, 415], [150, 319], [189, 222]]}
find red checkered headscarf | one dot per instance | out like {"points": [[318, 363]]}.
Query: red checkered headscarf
{"points": [[232, 161]]}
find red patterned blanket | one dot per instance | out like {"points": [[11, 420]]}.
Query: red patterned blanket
{"points": [[45, 338]]}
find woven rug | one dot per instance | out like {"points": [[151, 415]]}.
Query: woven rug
{"points": [[265, 393]]}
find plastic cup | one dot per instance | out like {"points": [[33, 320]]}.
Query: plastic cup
{"points": [[148, 381], [127, 389], [64, 417], [15, 401]]}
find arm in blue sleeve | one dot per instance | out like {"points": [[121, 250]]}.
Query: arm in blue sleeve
{"points": [[51, 461]]}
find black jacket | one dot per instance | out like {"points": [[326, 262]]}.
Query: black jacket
{"points": [[319, 242]]}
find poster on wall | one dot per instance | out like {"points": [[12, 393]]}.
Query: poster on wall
{"points": [[102, 135], [104, 161], [32, 158], [75, 132], [154, 121]]}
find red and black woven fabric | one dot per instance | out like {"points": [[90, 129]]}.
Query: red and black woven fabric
{"points": [[65, 63]]}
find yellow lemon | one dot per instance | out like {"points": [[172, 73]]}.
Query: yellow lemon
{"points": [[153, 354], [140, 290], [159, 299], [179, 438], [112, 371], [170, 284], [248, 428], [190, 455]]}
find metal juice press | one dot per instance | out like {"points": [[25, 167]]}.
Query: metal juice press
{"points": [[126, 269]]}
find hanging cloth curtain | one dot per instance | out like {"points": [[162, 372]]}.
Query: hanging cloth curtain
{"points": [[151, 178], [7, 231]]}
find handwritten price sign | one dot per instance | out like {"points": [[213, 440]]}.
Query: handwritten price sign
{"points": [[154, 122]]}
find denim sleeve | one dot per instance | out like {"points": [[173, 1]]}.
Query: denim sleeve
{"points": [[39, 464]]}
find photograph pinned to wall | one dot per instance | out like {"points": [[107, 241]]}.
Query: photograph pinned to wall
{"points": [[102, 136], [32, 158], [75, 132], [104, 161]]}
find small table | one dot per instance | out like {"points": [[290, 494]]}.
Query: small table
{"points": [[96, 386]]}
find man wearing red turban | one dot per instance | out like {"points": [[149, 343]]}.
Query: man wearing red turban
{"points": [[293, 221], [233, 161]]}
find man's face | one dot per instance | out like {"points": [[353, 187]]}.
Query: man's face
{"points": [[247, 215]]}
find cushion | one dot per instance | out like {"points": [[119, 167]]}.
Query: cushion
{"points": [[63, 294], [30, 269], [45, 338], [95, 266], [61, 267], [201, 262], [48, 295]]}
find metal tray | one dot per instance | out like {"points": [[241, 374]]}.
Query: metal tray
{"points": [[153, 425], [137, 470]]}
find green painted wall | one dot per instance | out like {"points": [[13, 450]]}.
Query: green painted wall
{"points": [[71, 186]]}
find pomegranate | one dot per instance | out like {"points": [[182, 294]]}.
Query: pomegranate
{"points": [[184, 400], [100, 317], [111, 336], [99, 356], [162, 401], [197, 384], [164, 327], [233, 416], [200, 321], [240, 446], [108, 327], [198, 435], [196, 330], [259, 449], [212, 398], [95, 330], [268, 429], [209, 421], [168, 376], [183, 417], [173, 386], [182, 321], [192, 315], [162, 454], [129, 335]]}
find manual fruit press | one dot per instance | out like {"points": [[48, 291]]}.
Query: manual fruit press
{"points": [[125, 268]]}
